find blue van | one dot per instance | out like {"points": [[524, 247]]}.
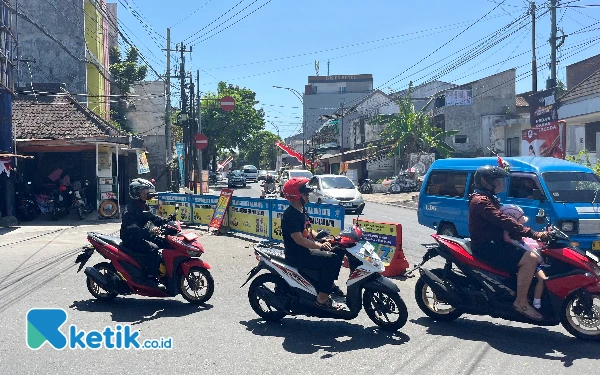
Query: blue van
{"points": [[568, 192]]}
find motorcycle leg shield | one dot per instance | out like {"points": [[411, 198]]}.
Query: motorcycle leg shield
{"points": [[382, 284], [440, 289]]}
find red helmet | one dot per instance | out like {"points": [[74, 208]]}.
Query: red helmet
{"points": [[294, 187]]}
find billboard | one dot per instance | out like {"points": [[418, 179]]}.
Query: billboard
{"points": [[546, 140]]}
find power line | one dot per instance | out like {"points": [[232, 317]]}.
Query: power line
{"points": [[191, 14], [221, 16]]}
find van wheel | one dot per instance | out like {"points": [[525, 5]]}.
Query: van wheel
{"points": [[448, 230]]}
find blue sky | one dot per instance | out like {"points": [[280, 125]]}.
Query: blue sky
{"points": [[279, 42]]}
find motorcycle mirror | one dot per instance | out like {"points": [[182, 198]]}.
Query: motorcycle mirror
{"points": [[541, 216], [360, 209]]}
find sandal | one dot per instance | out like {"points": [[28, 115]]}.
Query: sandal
{"points": [[330, 305], [336, 291], [530, 313]]}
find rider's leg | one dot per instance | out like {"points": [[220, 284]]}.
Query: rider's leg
{"points": [[527, 267], [539, 288], [328, 265]]}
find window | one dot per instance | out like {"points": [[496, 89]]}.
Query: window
{"points": [[342, 90], [513, 146], [448, 183], [460, 139], [522, 187]]}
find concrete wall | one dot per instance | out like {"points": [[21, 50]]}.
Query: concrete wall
{"points": [[65, 22], [425, 90], [113, 35]]}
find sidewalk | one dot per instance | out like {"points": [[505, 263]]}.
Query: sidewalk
{"points": [[404, 200]]}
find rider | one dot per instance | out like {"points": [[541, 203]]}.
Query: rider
{"points": [[487, 225], [269, 185], [137, 227], [300, 247]]}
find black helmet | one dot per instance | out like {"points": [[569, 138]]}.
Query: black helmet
{"points": [[485, 176], [138, 185]]}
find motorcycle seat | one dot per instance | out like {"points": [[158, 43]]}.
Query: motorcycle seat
{"points": [[465, 243], [116, 242], [274, 253]]}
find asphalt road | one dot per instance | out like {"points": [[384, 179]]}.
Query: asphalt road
{"points": [[226, 337]]}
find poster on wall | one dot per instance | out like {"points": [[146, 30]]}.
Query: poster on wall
{"points": [[250, 215], [142, 162], [547, 140], [459, 97], [421, 162], [104, 157]]}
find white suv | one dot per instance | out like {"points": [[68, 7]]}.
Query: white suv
{"points": [[251, 172], [291, 173]]}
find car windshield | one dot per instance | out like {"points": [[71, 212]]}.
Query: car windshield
{"points": [[306, 174], [571, 187], [337, 182], [262, 172], [237, 174], [250, 170]]}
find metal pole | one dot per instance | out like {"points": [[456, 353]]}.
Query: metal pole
{"points": [[552, 81], [168, 133], [533, 57], [199, 130], [303, 135], [342, 131]]}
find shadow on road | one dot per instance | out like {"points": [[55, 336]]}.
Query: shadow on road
{"points": [[7, 230], [308, 337], [136, 311], [531, 341]]}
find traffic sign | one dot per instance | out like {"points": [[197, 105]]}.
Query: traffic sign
{"points": [[227, 103], [201, 141]]}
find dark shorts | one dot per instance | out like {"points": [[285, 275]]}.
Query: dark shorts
{"points": [[500, 255]]}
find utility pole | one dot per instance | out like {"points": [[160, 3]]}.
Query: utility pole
{"points": [[551, 83], [342, 131], [184, 115], [199, 111], [192, 126], [168, 129], [533, 57]]}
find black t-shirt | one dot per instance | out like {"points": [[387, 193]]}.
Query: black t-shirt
{"points": [[295, 221]]}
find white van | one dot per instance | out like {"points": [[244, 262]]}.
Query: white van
{"points": [[251, 173]]}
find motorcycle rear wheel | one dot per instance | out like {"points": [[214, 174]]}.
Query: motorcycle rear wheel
{"points": [[380, 306], [581, 321], [95, 289], [428, 301], [395, 188], [258, 287], [200, 279]]}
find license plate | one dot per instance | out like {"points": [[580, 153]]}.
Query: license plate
{"points": [[595, 245], [347, 204]]}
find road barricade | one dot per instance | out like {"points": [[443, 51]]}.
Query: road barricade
{"points": [[387, 240], [253, 216]]}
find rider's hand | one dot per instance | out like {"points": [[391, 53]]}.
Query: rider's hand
{"points": [[541, 236], [326, 246], [155, 230]]}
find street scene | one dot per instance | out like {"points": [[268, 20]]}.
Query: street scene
{"points": [[262, 187]]}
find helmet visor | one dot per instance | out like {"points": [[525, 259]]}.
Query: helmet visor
{"points": [[500, 184]]}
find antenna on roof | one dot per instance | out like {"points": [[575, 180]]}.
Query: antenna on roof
{"points": [[317, 67]]}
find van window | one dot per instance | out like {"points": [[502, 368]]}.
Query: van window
{"points": [[521, 187], [447, 183]]}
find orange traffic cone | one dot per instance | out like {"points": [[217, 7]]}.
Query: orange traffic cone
{"points": [[398, 265]]}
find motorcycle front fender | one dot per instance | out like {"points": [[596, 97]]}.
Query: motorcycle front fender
{"points": [[381, 284], [188, 264]]}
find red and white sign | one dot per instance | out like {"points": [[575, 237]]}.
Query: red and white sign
{"points": [[201, 141], [546, 140], [227, 103]]}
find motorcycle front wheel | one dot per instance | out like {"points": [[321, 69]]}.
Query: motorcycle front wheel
{"points": [[198, 286], [581, 316], [386, 309], [395, 188], [265, 286]]}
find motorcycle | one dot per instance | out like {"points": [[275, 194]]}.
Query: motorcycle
{"points": [[467, 285], [403, 182], [27, 208], [287, 290], [366, 186], [60, 204], [268, 193], [182, 272]]}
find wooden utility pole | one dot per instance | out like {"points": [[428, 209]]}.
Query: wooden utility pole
{"points": [[533, 57], [551, 83], [168, 129]]}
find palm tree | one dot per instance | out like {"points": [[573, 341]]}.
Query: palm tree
{"points": [[412, 131]]}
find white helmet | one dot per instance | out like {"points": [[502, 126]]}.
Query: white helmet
{"points": [[514, 211]]}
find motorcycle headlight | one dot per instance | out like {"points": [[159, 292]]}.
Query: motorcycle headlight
{"points": [[194, 253]]}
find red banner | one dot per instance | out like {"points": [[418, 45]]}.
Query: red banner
{"points": [[545, 140], [293, 152], [221, 208]]}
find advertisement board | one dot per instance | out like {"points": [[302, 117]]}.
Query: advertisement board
{"points": [[203, 207], [142, 162], [250, 216], [322, 217], [546, 140], [167, 202], [385, 237], [221, 208]]}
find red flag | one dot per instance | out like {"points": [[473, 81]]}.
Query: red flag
{"points": [[502, 163]]}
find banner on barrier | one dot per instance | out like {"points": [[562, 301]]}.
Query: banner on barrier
{"points": [[153, 204], [322, 217], [167, 202], [385, 237], [203, 207], [221, 208], [251, 216]]}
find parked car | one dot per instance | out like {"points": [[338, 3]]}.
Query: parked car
{"points": [[250, 172], [291, 173], [262, 173], [335, 189], [236, 178], [566, 191]]}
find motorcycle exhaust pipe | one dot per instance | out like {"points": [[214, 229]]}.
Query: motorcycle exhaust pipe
{"points": [[440, 289], [98, 278]]}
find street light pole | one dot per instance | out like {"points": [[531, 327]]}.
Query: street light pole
{"points": [[299, 96]]}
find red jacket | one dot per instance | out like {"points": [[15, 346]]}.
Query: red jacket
{"points": [[487, 223]]}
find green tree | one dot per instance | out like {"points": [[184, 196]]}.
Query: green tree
{"points": [[230, 130], [412, 131], [125, 71], [260, 150]]}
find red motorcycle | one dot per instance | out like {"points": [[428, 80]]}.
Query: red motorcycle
{"points": [[182, 272], [467, 285]]}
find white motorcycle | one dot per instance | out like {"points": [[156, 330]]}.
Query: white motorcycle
{"points": [[287, 290]]}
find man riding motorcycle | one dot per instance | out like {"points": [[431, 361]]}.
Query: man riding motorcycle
{"points": [[269, 185], [137, 228], [302, 251], [487, 225]]}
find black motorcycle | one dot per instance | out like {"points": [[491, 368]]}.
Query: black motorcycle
{"points": [[27, 208], [366, 186]]}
